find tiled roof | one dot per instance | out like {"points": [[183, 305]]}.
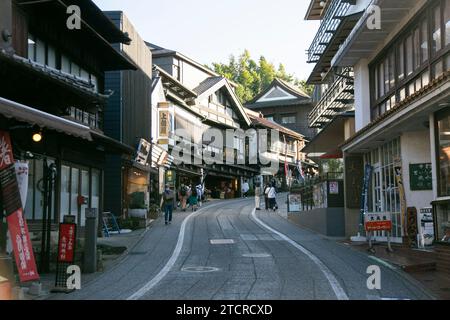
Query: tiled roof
{"points": [[207, 84], [400, 106]]}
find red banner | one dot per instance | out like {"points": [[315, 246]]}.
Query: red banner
{"points": [[12, 204], [66, 246]]}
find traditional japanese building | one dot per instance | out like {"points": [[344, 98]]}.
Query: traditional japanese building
{"points": [[52, 102], [285, 104]]}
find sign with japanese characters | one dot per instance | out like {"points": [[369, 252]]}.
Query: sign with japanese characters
{"points": [[164, 123], [378, 221], [66, 244], [12, 205], [143, 152]]}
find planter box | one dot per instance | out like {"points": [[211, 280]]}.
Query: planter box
{"points": [[138, 213]]}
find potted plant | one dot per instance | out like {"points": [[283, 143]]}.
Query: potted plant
{"points": [[137, 207]]}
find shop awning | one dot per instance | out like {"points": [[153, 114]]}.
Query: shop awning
{"points": [[41, 119], [325, 145]]}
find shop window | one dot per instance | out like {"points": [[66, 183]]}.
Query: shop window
{"points": [[443, 146], [34, 205], [288, 119]]}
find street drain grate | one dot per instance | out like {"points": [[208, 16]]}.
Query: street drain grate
{"points": [[200, 269], [221, 241], [257, 255]]}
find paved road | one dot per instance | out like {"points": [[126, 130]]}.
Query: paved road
{"points": [[255, 255]]}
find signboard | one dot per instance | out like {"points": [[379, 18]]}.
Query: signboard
{"points": [[164, 123], [12, 204], [401, 191], [365, 192], [426, 227], [378, 222], [334, 187], [66, 243], [294, 202], [143, 152], [420, 177]]}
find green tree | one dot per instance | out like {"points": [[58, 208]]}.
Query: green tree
{"points": [[252, 76]]}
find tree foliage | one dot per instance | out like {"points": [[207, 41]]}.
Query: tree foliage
{"points": [[252, 76]]}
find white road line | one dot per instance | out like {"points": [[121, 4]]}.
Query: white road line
{"points": [[335, 285], [173, 259], [384, 263]]}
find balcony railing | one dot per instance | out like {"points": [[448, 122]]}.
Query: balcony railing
{"points": [[330, 23], [337, 99]]}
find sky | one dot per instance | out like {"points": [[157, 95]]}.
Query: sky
{"points": [[212, 30]]}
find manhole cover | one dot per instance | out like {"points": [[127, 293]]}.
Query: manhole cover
{"points": [[257, 255], [200, 269], [221, 241]]}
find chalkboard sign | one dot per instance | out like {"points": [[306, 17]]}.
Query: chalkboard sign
{"points": [[420, 177]]}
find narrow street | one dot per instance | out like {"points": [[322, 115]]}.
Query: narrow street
{"points": [[227, 251]]}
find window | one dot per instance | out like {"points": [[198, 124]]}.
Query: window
{"points": [[288, 119], [270, 118], [34, 205], [424, 41], [31, 47], [51, 57], [447, 22], [437, 39], [40, 52], [443, 147], [417, 56]]}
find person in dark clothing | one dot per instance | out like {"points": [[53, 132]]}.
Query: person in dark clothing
{"points": [[167, 199]]}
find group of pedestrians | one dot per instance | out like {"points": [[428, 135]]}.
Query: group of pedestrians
{"points": [[269, 191], [187, 196]]}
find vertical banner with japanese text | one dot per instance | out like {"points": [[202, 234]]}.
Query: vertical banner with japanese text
{"points": [[66, 246], [12, 205]]}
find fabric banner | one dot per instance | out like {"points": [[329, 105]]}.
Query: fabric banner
{"points": [[12, 204]]}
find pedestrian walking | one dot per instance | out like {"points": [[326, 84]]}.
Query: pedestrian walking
{"points": [[245, 188], [193, 200], [183, 196], [167, 200], [258, 196], [272, 195], [199, 189], [266, 196]]}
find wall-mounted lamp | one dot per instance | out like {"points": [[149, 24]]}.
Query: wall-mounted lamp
{"points": [[37, 137]]}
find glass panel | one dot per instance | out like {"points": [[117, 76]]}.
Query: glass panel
{"points": [[444, 154], [437, 40], [381, 79], [51, 56], [447, 22], [402, 94], [401, 62], [411, 88], [386, 76], [84, 74], [39, 197], [409, 57], [426, 78], [31, 47], [65, 190], [419, 84], [65, 64], [417, 60], [28, 210], [95, 200], [40, 52], [84, 193], [391, 70], [438, 69], [424, 44], [75, 191], [75, 69]]}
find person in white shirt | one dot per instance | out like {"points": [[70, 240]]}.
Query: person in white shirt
{"points": [[245, 188], [199, 189], [258, 196], [272, 195]]}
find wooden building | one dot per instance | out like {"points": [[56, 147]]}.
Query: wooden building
{"points": [[52, 82]]}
